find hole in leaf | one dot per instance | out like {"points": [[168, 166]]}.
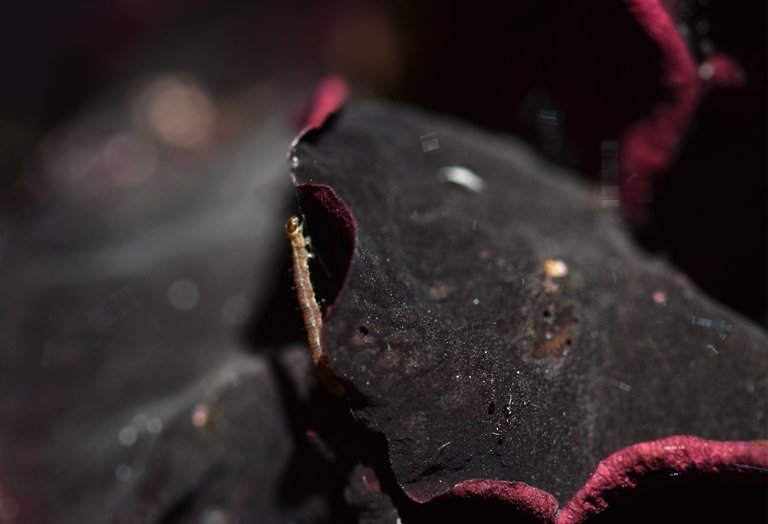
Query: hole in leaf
{"points": [[328, 222]]}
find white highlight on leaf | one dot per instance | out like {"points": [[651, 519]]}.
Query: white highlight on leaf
{"points": [[463, 177]]}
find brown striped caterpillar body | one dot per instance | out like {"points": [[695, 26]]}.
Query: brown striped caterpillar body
{"points": [[305, 293]]}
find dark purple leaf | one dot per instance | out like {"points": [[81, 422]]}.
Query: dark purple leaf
{"points": [[493, 323]]}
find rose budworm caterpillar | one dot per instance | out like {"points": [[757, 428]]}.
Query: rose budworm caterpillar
{"points": [[313, 319]]}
